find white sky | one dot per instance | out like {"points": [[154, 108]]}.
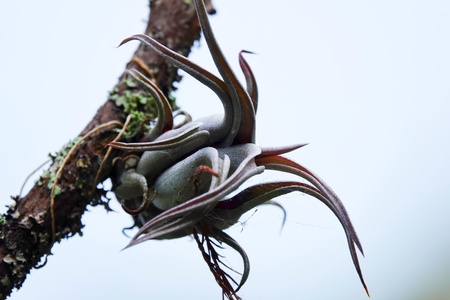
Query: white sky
{"points": [[364, 82]]}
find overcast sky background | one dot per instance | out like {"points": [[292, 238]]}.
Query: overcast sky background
{"points": [[366, 83]]}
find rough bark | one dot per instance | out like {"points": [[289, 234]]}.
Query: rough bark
{"points": [[26, 235]]}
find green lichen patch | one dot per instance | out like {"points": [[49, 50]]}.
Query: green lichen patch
{"points": [[140, 107], [49, 176], [138, 104]]}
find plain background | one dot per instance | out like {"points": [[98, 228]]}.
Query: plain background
{"points": [[366, 83]]}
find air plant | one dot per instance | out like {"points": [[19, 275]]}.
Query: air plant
{"points": [[186, 174]]}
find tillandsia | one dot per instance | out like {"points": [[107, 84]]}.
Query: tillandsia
{"points": [[188, 176]]}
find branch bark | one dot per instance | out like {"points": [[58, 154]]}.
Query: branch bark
{"points": [[26, 234]]}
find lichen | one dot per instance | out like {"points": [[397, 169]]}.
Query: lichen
{"points": [[141, 109], [82, 163], [20, 257], [5, 281], [49, 176], [9, 259], [139, 105], [15, 214], [26, 222], [40, 217]]}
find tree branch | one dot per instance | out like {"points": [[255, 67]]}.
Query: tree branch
{"points": [[26, 233]]}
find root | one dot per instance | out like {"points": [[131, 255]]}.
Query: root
{"points": [[66, 159]]}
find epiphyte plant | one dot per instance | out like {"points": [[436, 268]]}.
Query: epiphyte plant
{"points": [[187, 174]]}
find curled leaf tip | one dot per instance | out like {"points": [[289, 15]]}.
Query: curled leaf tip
{"points": [[196, 169]]}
